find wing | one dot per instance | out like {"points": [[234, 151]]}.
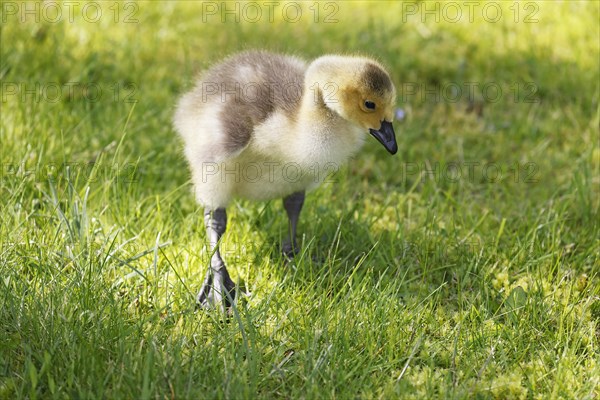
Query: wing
{"points": [[233, 97]]}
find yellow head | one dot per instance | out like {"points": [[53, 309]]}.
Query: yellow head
{"points": [[361, 91]]}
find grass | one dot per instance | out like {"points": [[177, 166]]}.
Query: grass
{"points": [[467, 266]]}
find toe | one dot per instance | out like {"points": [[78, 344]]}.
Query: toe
{"points": [[289, 250], [218, 291]]}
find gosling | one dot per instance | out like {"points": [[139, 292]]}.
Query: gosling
{"points": [[261, 125]]}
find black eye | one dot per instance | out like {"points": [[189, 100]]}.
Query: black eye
{"points": [[370, 105]]}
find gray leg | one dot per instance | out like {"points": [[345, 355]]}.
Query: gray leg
{"points": [[218, 289], [293, 205]]}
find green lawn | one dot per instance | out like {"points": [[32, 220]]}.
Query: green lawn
{"points": [[466, 266]]}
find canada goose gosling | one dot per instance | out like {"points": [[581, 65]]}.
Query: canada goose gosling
{"points": [[267, 111]]}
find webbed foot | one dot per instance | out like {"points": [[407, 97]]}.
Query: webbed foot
{"points": [[218, 291]]}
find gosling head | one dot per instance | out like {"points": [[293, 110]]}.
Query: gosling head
{"points": [[364, 95]]}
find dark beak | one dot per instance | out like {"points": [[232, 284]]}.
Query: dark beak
{"points": [[386, 136]]}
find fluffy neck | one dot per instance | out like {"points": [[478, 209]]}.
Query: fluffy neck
{"points": [[322, 131]]}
